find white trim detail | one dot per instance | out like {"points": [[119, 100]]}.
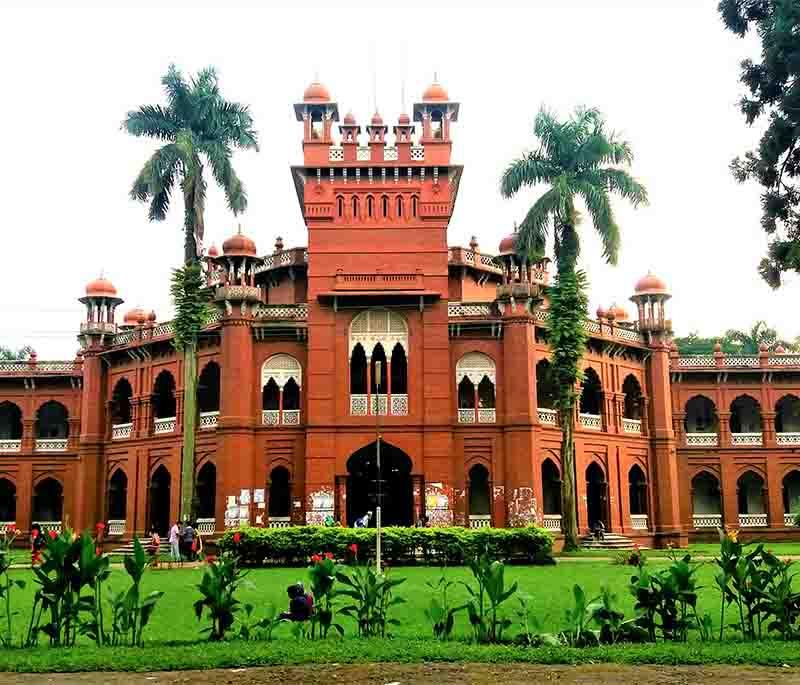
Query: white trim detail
{"points": [[280, 368]]}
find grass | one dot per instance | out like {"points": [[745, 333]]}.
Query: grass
{"points": [[697, 550], [173, 638]]}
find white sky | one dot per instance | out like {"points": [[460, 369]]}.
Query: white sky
{"points": [[664, 73]]}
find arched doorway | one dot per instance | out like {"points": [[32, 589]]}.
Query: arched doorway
{"points": [[397, 506], [706, 501], [52, 421], [10, 421], [48, 501], [751, 494], [160, 483], [596, 496], [791, 493], [8, 501], [551, 488], [480, 503], [280, 493], [206, 491], [637, 491], [208, 386], [117, 496]]}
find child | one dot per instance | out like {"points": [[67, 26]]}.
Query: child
{"points": [[154, 546], [301, 604]]}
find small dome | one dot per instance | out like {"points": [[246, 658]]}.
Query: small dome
{"points": [[213, 251], [132, 316], [435, 93], [377, 119], [763, 347], [473, 243], [101, 287], [619, 312], [718, 346], [508, 245], [349, 119], [601, 312], [151, 317], [780, 349], [239, 245], [404, 119], [650, 285], [316, 92]]}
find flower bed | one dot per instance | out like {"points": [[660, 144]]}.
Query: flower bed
{"points": [[295, 545]]}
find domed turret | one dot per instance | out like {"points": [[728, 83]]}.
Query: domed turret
{"points": [[316, 92], [651, 285], [100, 287], [620, 314], [101, 301], [213, 251], [132, 316], [239, 245], [404, 119], [349, 119], [508, 245], [601, 313], [435, 93]]}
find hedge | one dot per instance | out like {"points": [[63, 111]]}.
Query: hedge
{"points": [[295, 545]]}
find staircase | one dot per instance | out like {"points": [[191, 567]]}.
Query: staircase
{"points": [[611, 542], [127, 549]]}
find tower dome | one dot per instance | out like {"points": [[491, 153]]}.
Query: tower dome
{"points": [[132, 316], [620, 313], [435, 93], [404, 119], [101, 287], [316, 92], [650, 284], [349, 119], [377, 119], [239, 245], [508, 245], [213, 251]]}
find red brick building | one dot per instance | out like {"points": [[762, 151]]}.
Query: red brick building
{"points": [[378, 325]]}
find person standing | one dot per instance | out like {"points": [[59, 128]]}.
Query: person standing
{"points": [[188, 541], [175, 542]]}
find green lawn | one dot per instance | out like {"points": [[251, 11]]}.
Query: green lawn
{"points": [[700, 549]]}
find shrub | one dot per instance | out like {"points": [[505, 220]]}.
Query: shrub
{"points": [[218, 586], [296, 545], [630, 557], [371, 592], [486, 598], [323, 574], [6, 541]]}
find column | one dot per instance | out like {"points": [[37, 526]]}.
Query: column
{"points": [[773, 495], [768, 429], [724, 430], [280, 405], [90, 485]]}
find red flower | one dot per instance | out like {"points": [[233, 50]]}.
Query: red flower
{"points": [[237, 538], [329, 555], [53, 535], [98, 551], [353, 548], [210, 559], [34, 533], [315, 558], [11, 528], [100, 526]]}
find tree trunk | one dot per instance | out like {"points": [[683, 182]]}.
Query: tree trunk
{"points": [[189, 428], [569, 512]]}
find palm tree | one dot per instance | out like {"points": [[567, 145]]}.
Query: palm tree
{"points": [[579, 160], [198, 128], [749, 342]]}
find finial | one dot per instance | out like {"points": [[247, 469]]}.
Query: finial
{"points": [[435, 76], [240, 228], [403, 95], [515, 227]]}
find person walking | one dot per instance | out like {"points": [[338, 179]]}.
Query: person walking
{"points": [[188, 541], [175, 542]]}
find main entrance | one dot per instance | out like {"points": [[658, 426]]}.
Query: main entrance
{"points": [[397, 497]]}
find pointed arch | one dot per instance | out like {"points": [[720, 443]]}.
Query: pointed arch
{"points": [[745, 415], [591, 401], [164, 402], [206, 491], [10, 421], [121, 410], [280, 493], [8, 501], [370, 207], [706, 497], [751, 496], [637, 491], [354, 206], [414, 206], [280, 368], [117, 495], [374, 326], [52, 421], [399, 206], [551, 488], [480, 501], [208, 388], [787, 414], [631, 388], [339, 206], [701, 415], [48, 501], [160, 498], [545, 385]]}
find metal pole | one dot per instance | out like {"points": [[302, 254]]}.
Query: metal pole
{"points": [[378, 455]]}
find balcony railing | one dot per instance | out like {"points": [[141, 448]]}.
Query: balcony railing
{"points": [[746, 439], [378, 403], [639, 521], [480, 415], [116, 527], [633, 426], [400, 405], [592, 422], [552, 521], [547, 417], [702, 440], [280, 521], [51, 444], [164, 425], [10, 445], [208, 420], [5, 524], [789, 519], [788, 438], [480, 520], [272, 417], [121, 431], [707, 520], [47, 526], [487, 415], [206, 526], [753, 520]]}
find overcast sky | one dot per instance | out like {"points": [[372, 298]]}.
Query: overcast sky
{"points": [[664, 73]]}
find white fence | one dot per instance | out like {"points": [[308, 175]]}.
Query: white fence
{"points": [[746, 438], [121, 431], [702, 439], [164, 425], [639, 521], [280, 522], [552, 521], [590, 421], [208, 420], [788, 438], [51, 444], [206, 526], [753, 520], [632, 426], [10, 445], [548, 417], [116, 527], [480, 520], [707, 520]]}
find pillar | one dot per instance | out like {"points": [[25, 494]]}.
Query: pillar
{"points": [[91, 485]]}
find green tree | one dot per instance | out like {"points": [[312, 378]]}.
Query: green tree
{"points": [[773, 86], [749, 342], [198, 128], [9, 354], [579, 159]]}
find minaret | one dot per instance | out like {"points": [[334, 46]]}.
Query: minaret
{"points": [[317, 112], [436, 112], [350, 131]]}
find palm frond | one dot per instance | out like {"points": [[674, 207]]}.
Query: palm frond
{"points": [[236, 125], [177, 91], [617, 181], [599, 207], [528, 170], [153, 121], [533, 231], [156, 178], [219, 157]]}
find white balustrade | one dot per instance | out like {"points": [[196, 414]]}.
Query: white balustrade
{"points": [[47, 526], [552, 521], [417, 153], [390, 154], [788, 438], [789, 520], [459, 309], [702, 440], [632, 426], [116, 527], [639, 521], [335, 154], [695, 361], [378, 403], [746, 439], [121, 431], [164, 425], [291, 417], [280, 522], [270, 417], [206, 526], [363, 153], [400, 405], [4, 525], [548, 417], [750, 361], [51, 444], [10, 445], [208, 420], [753, 520], [480, 520], [466, 416], [591, 421], [487, 415], [707, 520], [358, 405]]}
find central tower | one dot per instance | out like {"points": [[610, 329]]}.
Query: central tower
{"points": [[377, 211]]}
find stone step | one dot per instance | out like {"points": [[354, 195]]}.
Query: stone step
{"points": [[611, 541]]}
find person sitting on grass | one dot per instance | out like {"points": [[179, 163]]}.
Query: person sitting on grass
{"points": [[301, 603]]}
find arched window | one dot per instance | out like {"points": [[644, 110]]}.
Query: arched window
{"points": [[745, 416], [121, 403], [281, 401], [208, 387], [354, 207], [358, 371], [10, 422], [164, 404], [706, 501], [117, 496], [206, 490], [48, 501], [637, 491], [399, 371], [596, 495], [466, 394], [591, 393], [384, 206], [339, 206], [370, 206], [633, 398], [551, 488], [280, 493], [378, 357], [787, 415], [8, 501], [751, 496], [545, 385], [480, 503], [52, 421], [399, 206], [414, 208], [479, 370], [701, 415], [159, 499], [791, 493]]}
